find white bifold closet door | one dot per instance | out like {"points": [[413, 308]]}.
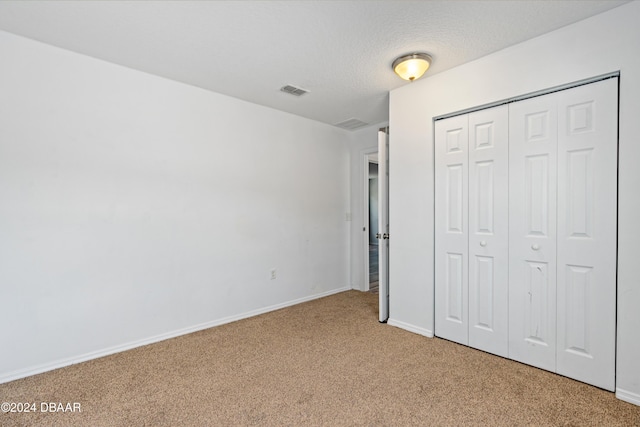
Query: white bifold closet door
{"points": [[472, 230], [587, 232], [451, 229], [563, 216], [533, 146], [526, 231]]}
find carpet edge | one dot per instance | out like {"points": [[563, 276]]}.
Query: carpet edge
{"points": [[61, 363]]}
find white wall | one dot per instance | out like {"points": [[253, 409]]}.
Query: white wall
{"points": [[134, 208], [362, 141], [602, 44]]}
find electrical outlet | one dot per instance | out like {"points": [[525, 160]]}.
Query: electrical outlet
{"points": [[273, 274]]}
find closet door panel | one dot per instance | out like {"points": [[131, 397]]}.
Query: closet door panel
{"points": [[532, 231], [488, 230], [587, 201], [451, 234]]}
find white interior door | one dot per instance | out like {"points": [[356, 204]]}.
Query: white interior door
{"points": [[532, 231], [383, 225], [489, 230], [587, 202], [451, 229]]}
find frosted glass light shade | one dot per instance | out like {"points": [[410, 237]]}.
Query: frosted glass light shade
{"points": [[412, 67]]}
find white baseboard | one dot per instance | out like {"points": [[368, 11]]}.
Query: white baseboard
{"points": [[61, 363], [628, 396], [411, 328]]}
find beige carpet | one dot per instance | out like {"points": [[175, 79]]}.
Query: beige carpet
{"points": [[325, 362]]}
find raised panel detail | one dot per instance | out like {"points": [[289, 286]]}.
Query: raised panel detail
{"points": [[537, 302], [537, 194], [578, 281], [454, 141], [484, 135], [484, 195], [580, 193], [580, 118], [537, 126], [485, 286], [455, 203], [454, 287]]}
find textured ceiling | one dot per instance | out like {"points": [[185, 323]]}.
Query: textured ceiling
{"points": [[341, 51]]}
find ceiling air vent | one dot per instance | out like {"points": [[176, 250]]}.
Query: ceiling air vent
{"points": [[292, 90], [351, 124]]}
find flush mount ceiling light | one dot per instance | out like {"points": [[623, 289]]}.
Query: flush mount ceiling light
{"points": [[411, 67]]}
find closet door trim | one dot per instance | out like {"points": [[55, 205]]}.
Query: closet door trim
{"points": [[612, 75]]}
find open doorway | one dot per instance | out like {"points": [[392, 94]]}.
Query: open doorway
{"points": [[373, 242]]}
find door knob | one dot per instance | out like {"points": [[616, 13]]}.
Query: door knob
{"points": [[385, 236], [535, 247], [378, 236], [483, 243]]}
